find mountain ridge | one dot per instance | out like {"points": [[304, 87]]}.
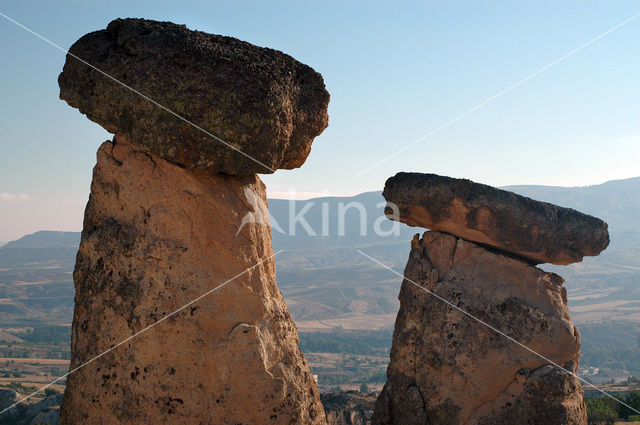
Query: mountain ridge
{"points": [[45, 239], [48, 239], [328, 283]]}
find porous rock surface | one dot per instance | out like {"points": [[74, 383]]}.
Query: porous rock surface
{"points": [[447, 368], [537, 231], [156, 237], [259, 101]]}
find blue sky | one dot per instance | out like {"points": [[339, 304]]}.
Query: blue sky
{"points": [[395, 71]]}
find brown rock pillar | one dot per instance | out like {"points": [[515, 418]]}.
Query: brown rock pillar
{"points": [[447, 368], [155, 237], [175, 212], [449, 365]]}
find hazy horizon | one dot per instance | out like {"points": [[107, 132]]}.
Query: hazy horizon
{"points": [[395, 72], [75, 212]]}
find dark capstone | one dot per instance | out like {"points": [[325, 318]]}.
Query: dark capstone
{"points": [[260, 101], [536, 231]]}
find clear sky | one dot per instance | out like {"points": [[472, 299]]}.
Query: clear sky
{"points": [[395, 70]]}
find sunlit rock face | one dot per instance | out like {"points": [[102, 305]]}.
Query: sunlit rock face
{"points": [[447, 368], [156, 237]]}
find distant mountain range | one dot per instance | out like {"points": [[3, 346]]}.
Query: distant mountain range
{"points": [[40, 246], [617, 202], [328, 283], [36, 285]]}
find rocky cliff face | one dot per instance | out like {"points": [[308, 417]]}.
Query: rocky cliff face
{"points": [[473, 315], [173, 214]]}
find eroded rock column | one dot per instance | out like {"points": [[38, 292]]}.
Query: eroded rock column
{"points": [[162, 228], [446, 367]]}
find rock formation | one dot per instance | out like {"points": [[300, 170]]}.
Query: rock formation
{"points": [[349, 407], [534, 230], [44, 411], [260, 101], [166, 223], [448, 368]]}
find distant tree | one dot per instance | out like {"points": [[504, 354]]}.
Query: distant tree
{"points": [[633, 400], [364, 388], [50, 391], [602, 411], [604, 417]]}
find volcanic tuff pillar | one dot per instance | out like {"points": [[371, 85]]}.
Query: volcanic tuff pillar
{"points": [[156, 237], [446, 367], [163, 227]]}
